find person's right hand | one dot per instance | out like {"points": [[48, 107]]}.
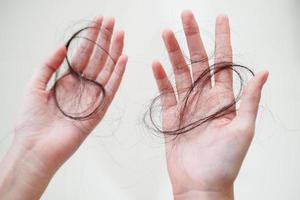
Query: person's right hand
{"points": [[44, 137], [204, 162]]}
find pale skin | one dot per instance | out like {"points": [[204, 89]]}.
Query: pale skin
{"points": [[204, 163], [44, 138]]}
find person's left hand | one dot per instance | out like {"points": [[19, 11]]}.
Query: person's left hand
{"points": [[204, 162]]}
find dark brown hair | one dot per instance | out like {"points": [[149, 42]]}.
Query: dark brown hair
{"points": [[197, 85], [84, 83]]}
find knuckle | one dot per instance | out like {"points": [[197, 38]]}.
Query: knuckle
{"points": [[198, 57], [105, 34], [191, 30]]}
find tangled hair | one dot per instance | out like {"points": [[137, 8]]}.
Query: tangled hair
{"points": [[197, 86], [76, 107]]}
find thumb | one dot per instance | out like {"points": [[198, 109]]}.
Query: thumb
{"points": [[250, 99], [42, 76]]}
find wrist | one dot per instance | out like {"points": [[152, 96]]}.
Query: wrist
{"points": [[22, 174], [225, 194]]}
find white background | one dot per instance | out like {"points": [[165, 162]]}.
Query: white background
{"points": [[121, 159]]}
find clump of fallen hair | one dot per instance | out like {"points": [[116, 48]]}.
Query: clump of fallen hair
{"points": [[68, 106], [184, 127]]}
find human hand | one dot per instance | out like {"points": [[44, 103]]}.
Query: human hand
{"points": [[204, 162], [44, 137]]}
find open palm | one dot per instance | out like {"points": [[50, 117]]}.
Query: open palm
{"points": [[208, 157], [42, 129]]}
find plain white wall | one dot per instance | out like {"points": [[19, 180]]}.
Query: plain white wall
{"points": [[121, 159]]}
